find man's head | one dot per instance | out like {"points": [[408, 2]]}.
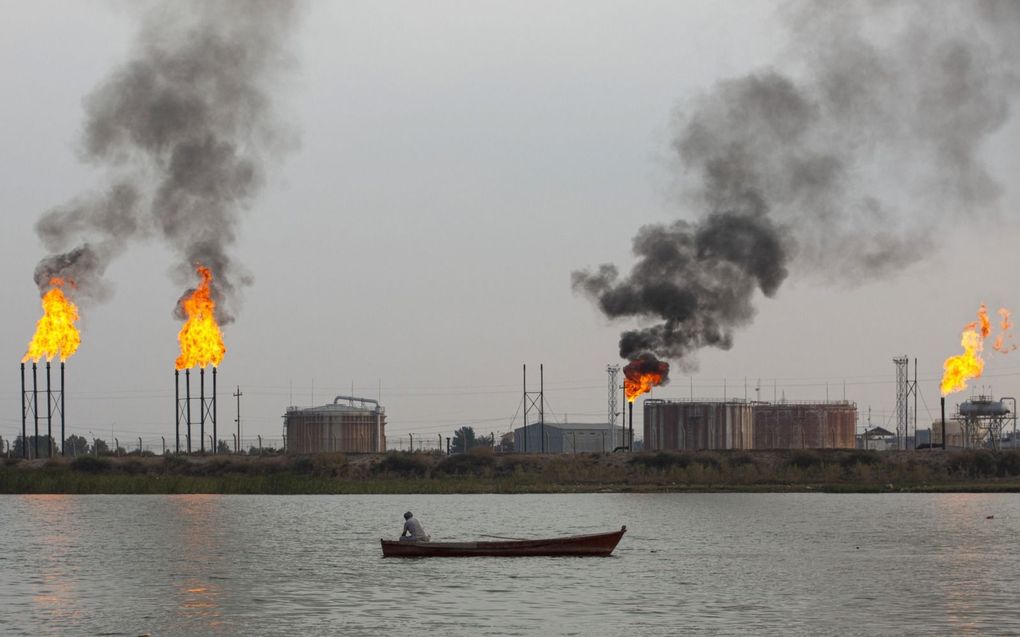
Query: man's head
{"points": [[407, 516]]}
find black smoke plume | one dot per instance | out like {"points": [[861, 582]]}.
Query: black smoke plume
{"points": [[641, 366], [839, 168], [184, 130]]}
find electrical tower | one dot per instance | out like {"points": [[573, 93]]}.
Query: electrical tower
{"points": [[905, 388], [534, 401], [614, 372]]}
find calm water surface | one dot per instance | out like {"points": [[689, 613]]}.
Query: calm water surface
{"points": [[701, 563]]}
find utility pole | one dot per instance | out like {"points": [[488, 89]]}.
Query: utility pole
{"points": [[237, 395]]}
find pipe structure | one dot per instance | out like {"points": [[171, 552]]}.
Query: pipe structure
{"points": [[49, 414], [630, 434], [353, 398], [1004, 399], [215, 439], [24, 415], [541, 403], [63, 437], [525, 405], [177, 410], [187, 403], [201, 409], [943, 422], [35, 406]]}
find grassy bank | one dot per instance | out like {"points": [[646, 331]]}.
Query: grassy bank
{"points": [[760, 471]]}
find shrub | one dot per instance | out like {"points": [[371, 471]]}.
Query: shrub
{"points": [[301, 465], [708, 462], [976, 463], [331, 465], [517, 463], [853, 459], [90, 464], [132, 467], [463, 464], [740, 459], [804, 459], [401, 464], [174, 463], [662, 461], [1009, 463]]}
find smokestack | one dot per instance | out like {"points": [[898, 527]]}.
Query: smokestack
{"points": [[943, 422], [216, 440], [63, 438], [49, 414], [24, 415], [201, 409], [630, 443], [187, 403]]}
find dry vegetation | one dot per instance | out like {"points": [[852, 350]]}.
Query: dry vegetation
{"points": [[481, 472]]}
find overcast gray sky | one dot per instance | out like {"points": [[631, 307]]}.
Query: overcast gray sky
{"points": [[458, 160]]}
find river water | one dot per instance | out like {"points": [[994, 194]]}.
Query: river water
{"points": [[690, 563]]}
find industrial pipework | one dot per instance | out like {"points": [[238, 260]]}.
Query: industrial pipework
{"points": [[352, 399]]}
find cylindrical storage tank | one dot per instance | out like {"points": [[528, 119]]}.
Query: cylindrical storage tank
{"points": [[981, 407], [831, 425], [697, 425], [335, 428]]}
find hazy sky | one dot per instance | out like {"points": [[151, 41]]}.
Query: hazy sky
{"points": [[457, 161]]}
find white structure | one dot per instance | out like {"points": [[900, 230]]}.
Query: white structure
{"points": [[567, 438]]}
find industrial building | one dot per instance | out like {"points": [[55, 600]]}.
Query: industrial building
{"points": [[568, 438], [698, 425], [738, 424], [349, 424]]}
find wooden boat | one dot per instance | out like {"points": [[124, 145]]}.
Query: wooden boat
{"points": [[598, 544]]}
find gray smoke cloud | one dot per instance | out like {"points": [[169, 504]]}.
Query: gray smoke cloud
{"points": [[184, 130], [840, 167]]}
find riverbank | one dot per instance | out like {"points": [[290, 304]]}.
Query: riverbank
{"points": [[832, 471]]}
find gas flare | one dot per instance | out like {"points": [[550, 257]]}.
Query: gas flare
{"points": [[200, 337], [643, 373], [55, 333], [963, 367], [1004, 341]]}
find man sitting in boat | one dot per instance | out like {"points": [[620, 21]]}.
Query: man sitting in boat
{"points": [[413, 532]]}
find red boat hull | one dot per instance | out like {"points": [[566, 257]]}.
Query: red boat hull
{"points": [[599, 545]]}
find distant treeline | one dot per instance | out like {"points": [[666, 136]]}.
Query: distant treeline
{"points": [[482, 471]]}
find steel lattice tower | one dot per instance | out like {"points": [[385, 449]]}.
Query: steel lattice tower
{"points": [[613, 371], [902, 391]]}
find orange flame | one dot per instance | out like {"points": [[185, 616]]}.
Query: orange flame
{"points": [[55, 333], [643, 373], [1004, 341], [200, 337], [963, 367]]}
